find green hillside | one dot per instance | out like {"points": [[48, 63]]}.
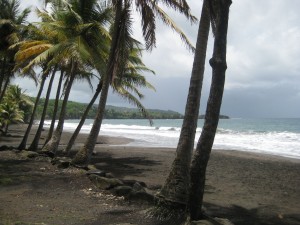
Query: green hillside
{"points": [[75, 110]]}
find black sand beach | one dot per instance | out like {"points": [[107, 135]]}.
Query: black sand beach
{"points": [[248, 189]]}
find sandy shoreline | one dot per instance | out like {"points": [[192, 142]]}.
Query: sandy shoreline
{"points": [[245, 187]]}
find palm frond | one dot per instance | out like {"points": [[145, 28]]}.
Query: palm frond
{"points": [[169, 22], [180, 6], [134, 101], [26, 53]]}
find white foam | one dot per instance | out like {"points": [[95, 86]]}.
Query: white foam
{"points": [[278, 143]]}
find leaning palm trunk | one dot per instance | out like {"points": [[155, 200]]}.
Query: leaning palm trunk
{"points": [[76, 132], [35, 142], [52, 145], [84, 154], [5, 85], [50, 132], [26, 135], [2, 75], [205, 143], [176, 185]]}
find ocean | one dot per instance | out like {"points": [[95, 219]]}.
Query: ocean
{"points": [[270, 136]]}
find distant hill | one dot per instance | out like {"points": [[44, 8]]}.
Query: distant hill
{"points": [[115, 112], [75, 110], [221, 117]]}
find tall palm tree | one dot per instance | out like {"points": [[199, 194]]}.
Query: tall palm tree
{"points": [[27, 57], [23, 143], [176, 187], [52, 145], [55, 109], [120, 36], [119, 31], [11, 31], [82, 119], [129, 82], [34, 144], [206, 140], [80, 37]]}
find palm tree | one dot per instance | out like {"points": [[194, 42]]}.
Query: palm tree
{"points": [[78, 46], [52, 145], [176, 187], [11, 31], [23, 143], [35, 142], [15, 94], [9, 114], [118, 52], [82, 120], [130, 80], [206, 140], [29, 55], [55, 109], [14, 106]]}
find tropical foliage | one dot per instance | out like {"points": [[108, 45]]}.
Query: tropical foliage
{"points": [[12, 30], [14, 107]]}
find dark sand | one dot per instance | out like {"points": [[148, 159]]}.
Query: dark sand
{"points": [[248, 189]]}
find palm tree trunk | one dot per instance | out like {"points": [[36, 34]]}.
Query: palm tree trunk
{"points": [[76, 132], [2, 74], [26, 135], [206, 140], [176, 185], [6, 82], [50, 132], [52, 146], [84, 154], [35, 142], [6, 129]]}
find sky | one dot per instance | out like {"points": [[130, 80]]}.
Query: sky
{"points": [[263, 59]]}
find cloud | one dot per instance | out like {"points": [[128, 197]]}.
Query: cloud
{"points": [[263, 57]]}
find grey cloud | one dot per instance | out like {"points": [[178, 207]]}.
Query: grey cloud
{"points": [[263, 59]]}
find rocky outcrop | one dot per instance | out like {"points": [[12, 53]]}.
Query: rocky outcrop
{"points": [[131, 190]]}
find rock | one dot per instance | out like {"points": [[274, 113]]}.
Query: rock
{"points": [[29, 154], [100, 173], [91, 167], [122, 190], [201, 222], [4, 148], [141, 196], [105, 183], [109, 175], [61, 162], [138, 187], [48, 153], [41, 158], [132, 182], [221, 221], [224, 221]]}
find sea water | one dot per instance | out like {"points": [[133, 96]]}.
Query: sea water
{"points": [[272, 136]]}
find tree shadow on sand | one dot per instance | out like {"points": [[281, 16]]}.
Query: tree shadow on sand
{"points": [[125, 166], [14, 172], [264, 215]]}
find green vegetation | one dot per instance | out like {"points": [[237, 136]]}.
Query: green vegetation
{"points": [[76, 109], [15, 107], [220, 117]]}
